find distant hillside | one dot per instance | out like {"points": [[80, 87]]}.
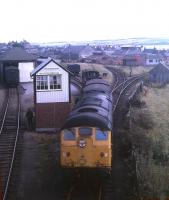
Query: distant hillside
{"points": [[129, 41]]}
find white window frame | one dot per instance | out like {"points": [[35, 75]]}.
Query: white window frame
{"points": [[41, 79], [48, 82], [55, 84]]}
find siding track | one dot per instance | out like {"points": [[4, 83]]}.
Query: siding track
{"points": [[9, 135]]}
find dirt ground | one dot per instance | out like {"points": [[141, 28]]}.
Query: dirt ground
{"points": [[39, 175]]}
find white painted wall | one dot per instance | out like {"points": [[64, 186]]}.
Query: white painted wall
{"points": [[154, 61], [50, 96], [24, 71]]}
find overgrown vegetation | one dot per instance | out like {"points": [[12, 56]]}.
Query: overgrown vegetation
{"points": [[149, 135], [135, 70]]}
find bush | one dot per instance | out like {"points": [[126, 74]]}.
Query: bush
{"points": [[143, 119]]}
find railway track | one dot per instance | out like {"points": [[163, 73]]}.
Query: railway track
{"points": [[81, 189], [77, 193], [119, 78], [123, 182], [92, 186], [9, 136], [124, 87]]}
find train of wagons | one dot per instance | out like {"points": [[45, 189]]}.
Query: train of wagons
{"points": [[86, 136], [11, 75]]}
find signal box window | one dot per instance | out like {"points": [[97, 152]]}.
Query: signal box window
{"points": [[55, 82], [101, 135], [85, 131], [69, 134], [42, 82], [48, 82]]}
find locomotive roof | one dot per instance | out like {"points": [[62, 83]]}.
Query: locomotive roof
{"points": [[93, 109], [94, 99], [96, 87], [92, 119]]}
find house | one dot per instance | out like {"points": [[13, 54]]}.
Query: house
{"points": [[98, 51], [71, 52], [150, 51], [166, 55], [153, 59], [86, 52], [20, 58], [159, 74], [52, 95], [133, 60], [133, 56]]}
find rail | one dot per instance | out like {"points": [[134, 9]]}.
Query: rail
{"points": [[4, 116], [73, 190], [100, 193], [124, 86], [13, 136], [119, 77]]}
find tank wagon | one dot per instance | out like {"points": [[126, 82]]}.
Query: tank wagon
{"points": [[86, 137], [12, 76], [90, 74]]}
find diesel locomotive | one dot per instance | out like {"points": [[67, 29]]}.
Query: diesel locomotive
{"points": [[86, 136]]}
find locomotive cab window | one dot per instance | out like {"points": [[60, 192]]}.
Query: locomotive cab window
{"points": [[101, 135], [85, 131], [69, 134]]}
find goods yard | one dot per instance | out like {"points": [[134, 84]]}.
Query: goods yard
{"points": [[66, 183]]}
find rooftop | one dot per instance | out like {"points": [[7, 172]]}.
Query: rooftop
{"points": [[17, 54]]}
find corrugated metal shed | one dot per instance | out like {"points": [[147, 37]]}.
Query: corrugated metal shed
{"points": [[159, 74]]}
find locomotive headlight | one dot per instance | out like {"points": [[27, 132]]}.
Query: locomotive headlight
{"points": [[105, 154], [66, 154], [82, 143], [102, 154]]}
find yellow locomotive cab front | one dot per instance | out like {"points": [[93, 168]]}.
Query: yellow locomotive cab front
{"points": [[87, 147]]}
